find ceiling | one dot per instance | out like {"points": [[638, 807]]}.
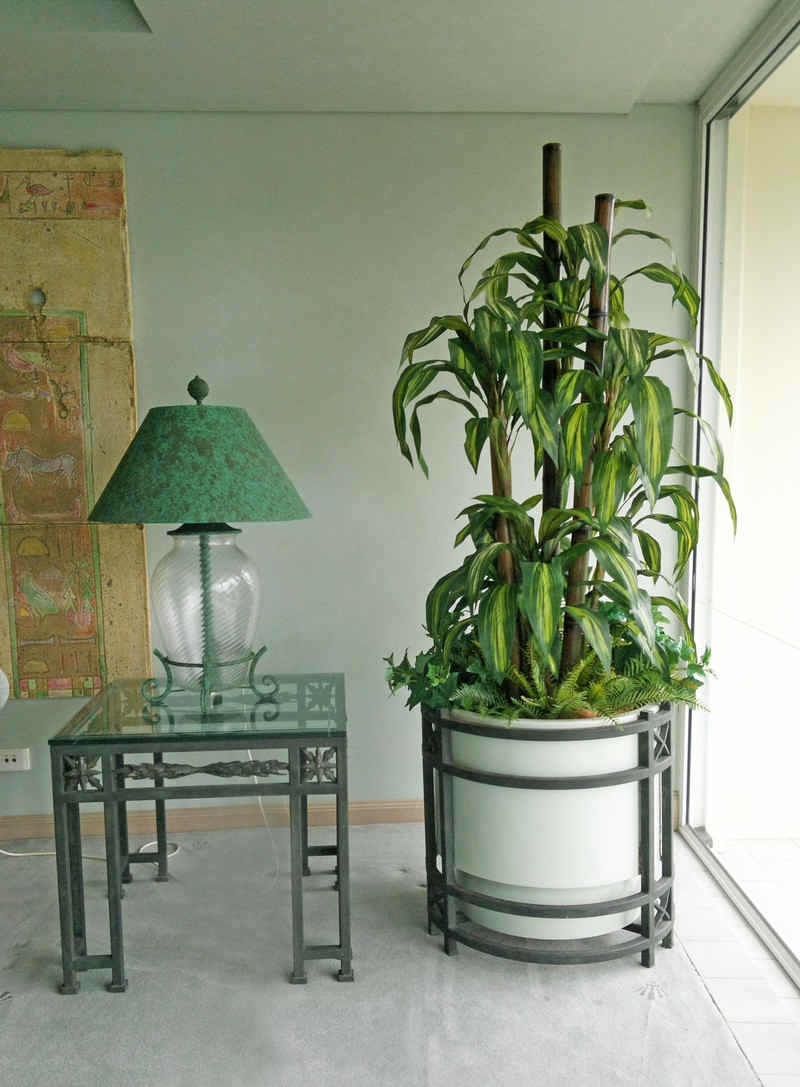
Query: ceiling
{"points": [[366, 55]]}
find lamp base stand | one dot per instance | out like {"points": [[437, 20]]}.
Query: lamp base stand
{"points": [[156, 691]]}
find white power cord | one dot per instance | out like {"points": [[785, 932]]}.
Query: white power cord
{"points": [[175, 847], [260, 800], [87, 856]]}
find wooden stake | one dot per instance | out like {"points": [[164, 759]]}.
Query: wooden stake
{"points": [[551, 208], [598, 319]]}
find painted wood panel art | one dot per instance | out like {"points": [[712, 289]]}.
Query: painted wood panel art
{"points": [[74, 596]]}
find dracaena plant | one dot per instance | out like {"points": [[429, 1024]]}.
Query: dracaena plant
{"points": [[547, 614]]}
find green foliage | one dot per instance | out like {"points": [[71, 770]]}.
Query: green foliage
{"points": [[546, 615], [589, 690]]}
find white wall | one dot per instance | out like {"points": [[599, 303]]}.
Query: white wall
{"points": [[754, 739], [284, 257]]}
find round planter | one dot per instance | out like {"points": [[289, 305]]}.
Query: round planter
{"points": [[545, 846]]}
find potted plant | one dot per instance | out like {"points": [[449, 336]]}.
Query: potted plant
{"points": [[559, 611]]}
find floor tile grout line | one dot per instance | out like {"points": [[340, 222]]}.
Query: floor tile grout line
{"points": [[727, 1022]]}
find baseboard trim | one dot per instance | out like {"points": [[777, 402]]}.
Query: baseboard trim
{"points": [[230, 817]]}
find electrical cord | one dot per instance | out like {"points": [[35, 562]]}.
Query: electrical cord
{"points": [[87, 856], [175, 847], [260, 800]]}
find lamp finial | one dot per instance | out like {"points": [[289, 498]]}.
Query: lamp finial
{"points": [[198, 389]]}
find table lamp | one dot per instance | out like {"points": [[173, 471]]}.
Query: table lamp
{"points": [[201, 465]]}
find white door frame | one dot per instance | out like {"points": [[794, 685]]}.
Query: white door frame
{"points": [[775, 38]]}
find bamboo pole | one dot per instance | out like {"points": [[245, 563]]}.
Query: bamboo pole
{"points": [[551, 208], [598, 319]]}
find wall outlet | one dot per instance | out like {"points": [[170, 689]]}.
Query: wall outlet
{"points": [[15, 758]]}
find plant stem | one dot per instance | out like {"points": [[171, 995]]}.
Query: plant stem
{"points": [[576, 578]]}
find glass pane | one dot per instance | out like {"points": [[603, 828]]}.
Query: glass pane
{"points": [[312, 702], [747, 747]]}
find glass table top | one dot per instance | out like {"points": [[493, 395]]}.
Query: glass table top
{"points": [[305, 702]]}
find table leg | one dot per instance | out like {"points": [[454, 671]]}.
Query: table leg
{"points": [[76, 877], [70, 983], [161, 823], [343, 865], [122, 811], [304, 820], [298, 975], [118, 983]]}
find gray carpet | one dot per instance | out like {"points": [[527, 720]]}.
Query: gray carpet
{"points": [[208, 1004]]}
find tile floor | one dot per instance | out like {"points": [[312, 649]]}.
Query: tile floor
{"points": [[756, 998]]}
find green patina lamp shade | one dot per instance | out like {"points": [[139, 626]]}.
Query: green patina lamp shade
{"points": [[201, 466], [198, 463]]}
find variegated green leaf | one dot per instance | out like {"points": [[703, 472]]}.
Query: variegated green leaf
{"points": [[651, 401], [720, 386], [682, 290], [524, 369], [592, 243], [482, 245], [477, 431], [487, 326], [596, 631], [435, 327], [682, 347], [609, 476], [544, 425], [453, 634], [710, 436], [414, 379], [685, 509], [684, 538], [679, 610], [581, 425], [516, 513], [620, 531], [725, 487], [630, 232], [629, 350], [637, 204], [444, 594], [479, 566], [617, 317], [497, 620], [414, 425], [642, 612], [506, 309], [619, 567], [461, 356], [574, 383], [651, 552], [541, 595], [551, 228]]}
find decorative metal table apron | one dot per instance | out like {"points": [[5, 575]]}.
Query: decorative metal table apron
{"points": [[302, 715]]}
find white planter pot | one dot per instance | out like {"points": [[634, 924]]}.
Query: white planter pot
{"points": [[548, 847]]}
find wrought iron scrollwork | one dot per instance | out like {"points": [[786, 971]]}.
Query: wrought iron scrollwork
{"points": [[251, 768], [82, 772], [318, 764]]}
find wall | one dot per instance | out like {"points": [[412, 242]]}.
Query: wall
{"points": [[754, 742], [284, 258]]}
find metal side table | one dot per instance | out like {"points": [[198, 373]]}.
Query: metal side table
{"points": [[97, 757]]}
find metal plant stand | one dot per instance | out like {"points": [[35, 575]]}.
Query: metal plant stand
{"points": [[304, 717], [655, 900]]}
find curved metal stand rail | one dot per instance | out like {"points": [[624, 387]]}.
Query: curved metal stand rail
{"points": [[655, 900]]}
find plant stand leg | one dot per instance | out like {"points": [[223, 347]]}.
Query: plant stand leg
{"points": [[447, 848], [647, 808]]}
